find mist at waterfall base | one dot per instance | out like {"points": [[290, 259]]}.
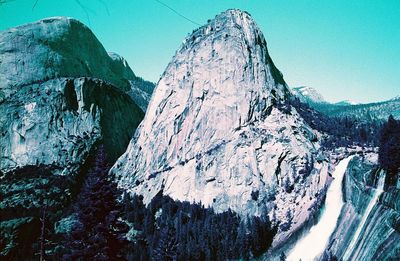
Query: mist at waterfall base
{"points": [[312, 244]]}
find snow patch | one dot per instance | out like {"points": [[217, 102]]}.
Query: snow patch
{"points": [[30, 107]]}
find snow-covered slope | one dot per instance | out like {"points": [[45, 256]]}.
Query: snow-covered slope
{"points": [[214, 133], [308, 94], [347, 108], [345, 103]]}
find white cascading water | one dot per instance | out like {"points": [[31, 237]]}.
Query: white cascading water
{"points": [[377, 192], [311, 245]]}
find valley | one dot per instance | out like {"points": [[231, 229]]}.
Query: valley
{"points": [[218, 160]]}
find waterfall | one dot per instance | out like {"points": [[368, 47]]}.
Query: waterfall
{"points": [[311, 246], [377, 192]]}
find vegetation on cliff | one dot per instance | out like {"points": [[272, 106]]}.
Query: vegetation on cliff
{"points": [[389, 149]]}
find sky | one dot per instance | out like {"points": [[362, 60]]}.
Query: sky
{"points": [[347, 50]]}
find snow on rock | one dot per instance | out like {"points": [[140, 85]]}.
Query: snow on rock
{"points": [[213, 132], [120, 66], [346, 102], [308, 94]]}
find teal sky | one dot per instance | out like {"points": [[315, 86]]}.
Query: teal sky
{"points": [[345, 49]]}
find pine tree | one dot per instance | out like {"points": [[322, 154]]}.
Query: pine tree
{"points": [[282, 257], [99, 236], [389, 148], [165, 248]]}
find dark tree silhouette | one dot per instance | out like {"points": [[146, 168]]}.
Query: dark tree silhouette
{"points": [[99, 236], [389, 148], [173, 230], [43, 234], [282, 257], [165, 248], [341, 132]]}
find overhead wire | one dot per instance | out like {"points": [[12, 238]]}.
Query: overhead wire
{"points": [[178, 13]]}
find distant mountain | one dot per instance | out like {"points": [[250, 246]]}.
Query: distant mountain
{"points": [[308, 94], [141, 91], [365, 112], [346, 102], [215, 131], [368, 111]]}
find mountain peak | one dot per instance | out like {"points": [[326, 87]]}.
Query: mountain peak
{"points": [[230, 18], [231, 32], [308, 94], [56, 20], [236, 16], [42, 50], [346, 103], [212, 129], [226, 59]]}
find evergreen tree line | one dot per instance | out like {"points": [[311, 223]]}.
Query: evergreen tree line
{"points": [[342, 131], [164, 230], [389, 149], [174, 230]]}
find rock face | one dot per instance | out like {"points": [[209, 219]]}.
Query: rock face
{"points": [[379, 238], [52, 48], [140, 90], [51, 113], [60, 93], [214, 131]]}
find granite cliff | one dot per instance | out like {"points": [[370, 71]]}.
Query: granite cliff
{"points": [[217, 131], [60, 95]]}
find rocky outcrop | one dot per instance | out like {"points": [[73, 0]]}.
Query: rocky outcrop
{"points": [[140, 90], [49, 113], [119, 66], [58, 121], [52, 48], [379, 238], [62, 47], [60, 94], [216, 131]]}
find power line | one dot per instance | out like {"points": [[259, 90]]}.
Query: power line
{"points": [[176, 12], [34, 5], [84, 8]]}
